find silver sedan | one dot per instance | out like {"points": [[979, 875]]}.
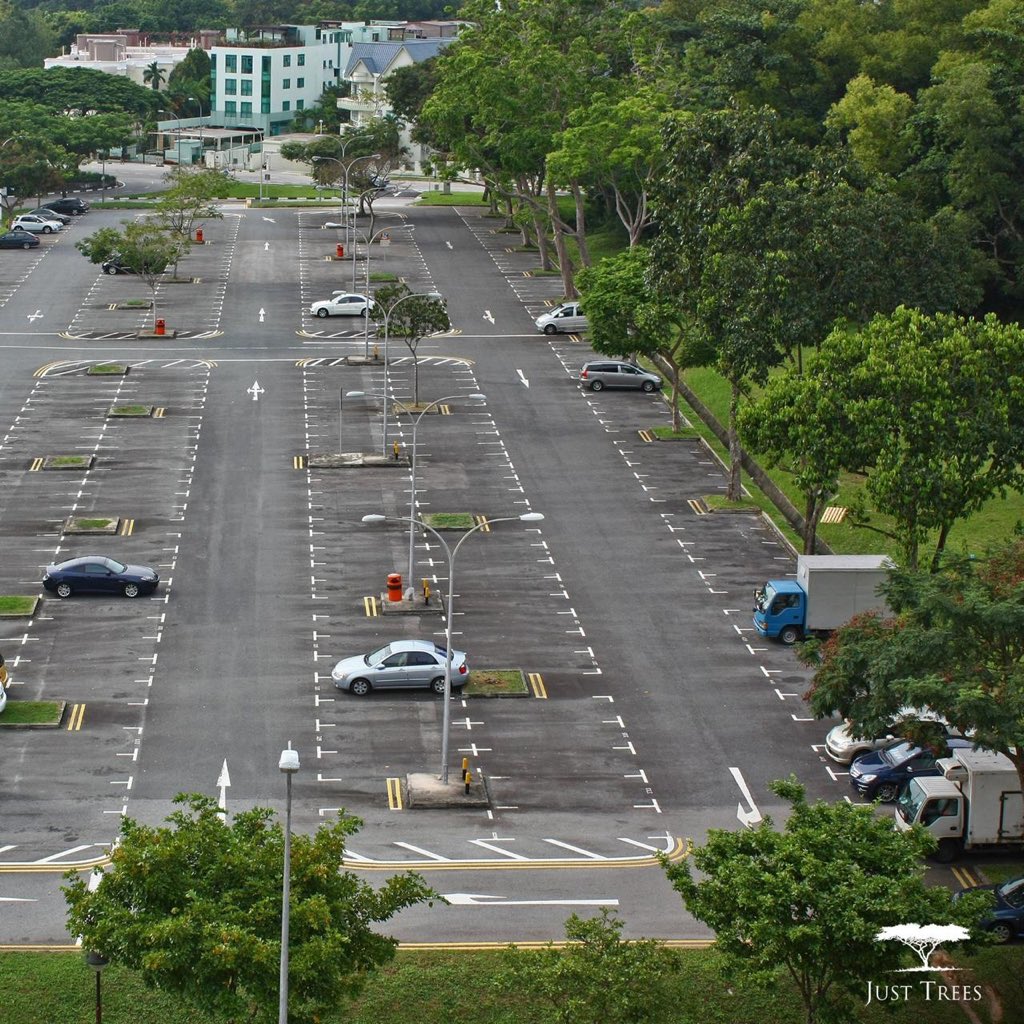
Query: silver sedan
{"points": [[402, 664]]}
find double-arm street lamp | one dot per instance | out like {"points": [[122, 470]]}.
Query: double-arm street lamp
{"points": [[404, 226], [450, 553], [436, 297], [346, 166], [412, 479]]}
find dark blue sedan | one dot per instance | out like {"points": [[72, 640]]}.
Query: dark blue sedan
{"points": [[98, 574], [1006, 918], [881, 774], [18, 239]]}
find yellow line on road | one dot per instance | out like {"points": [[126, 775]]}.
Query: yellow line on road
{"points": [[127, 527], [965, 876], [158, 412], [646, 435], [537, 685], [481, 521], [299, 462], [75, 718], [37, 464], [395, 794], [370, 606], [444, 410]]}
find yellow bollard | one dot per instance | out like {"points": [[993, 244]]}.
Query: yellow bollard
{"points": [[426, 591], [395, 449], [469, 780]]}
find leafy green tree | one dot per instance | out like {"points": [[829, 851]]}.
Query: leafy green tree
{"points": [[25, 37], [188, 198], [190, 78], [411, 320], [28, 166], [100, 245], [596, 979], [937, 405], [794, 903], [956, 646], [153, 75], [78, 92], [195, 908], [876, 121]]}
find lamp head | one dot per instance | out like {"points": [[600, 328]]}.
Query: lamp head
{"points": [[481, 397], [289, 762], [355, 394], [374, 517], [531, 517]]}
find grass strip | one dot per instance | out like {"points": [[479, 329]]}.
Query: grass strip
{"points": [[31, 712]]}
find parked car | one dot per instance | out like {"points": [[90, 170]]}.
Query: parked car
{"points": [[69, 204], [1006, 918], [881, 774], [115, 265], [47, 214], [401, 664], [98, 574], [343, 304], [566, 318], [614, 374], [843, 747], [18, 240], [36, 224]]}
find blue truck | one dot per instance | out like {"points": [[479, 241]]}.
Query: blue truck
{"points": [[827, 591]]}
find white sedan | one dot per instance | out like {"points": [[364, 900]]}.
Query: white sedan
{"points": [[36, 224], [342, 304]]}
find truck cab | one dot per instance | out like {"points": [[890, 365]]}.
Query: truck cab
{"points": [[937, 805], [780, 610]]}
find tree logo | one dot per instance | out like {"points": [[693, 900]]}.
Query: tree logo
{"points": [[924, 939]]}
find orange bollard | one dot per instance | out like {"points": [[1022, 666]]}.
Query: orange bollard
{"points": [[394, 586], [339, 251], [159, 329], [199, 234]]}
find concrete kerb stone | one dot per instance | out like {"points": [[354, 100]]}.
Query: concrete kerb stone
{"points": [[415, 606], [356, 460], [424, 791]]}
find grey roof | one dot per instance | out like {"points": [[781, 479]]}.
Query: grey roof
{"points": [[378, 57]]}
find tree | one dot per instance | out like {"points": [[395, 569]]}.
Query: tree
{"points": [[28, 166], [191, 77], [188, 197], [145, 247], [596, 979], [956, 646], [937, 405], [195, 908], [153, 76], [796, 902], [78, 92], [410, 319]]}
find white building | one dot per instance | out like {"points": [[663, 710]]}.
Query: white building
{"points": [[123, 54]]}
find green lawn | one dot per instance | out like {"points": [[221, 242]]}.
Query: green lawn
{"points": [[452, 987], [30, 712]]}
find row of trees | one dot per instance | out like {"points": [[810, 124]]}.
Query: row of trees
{"points": [[194, 908]]}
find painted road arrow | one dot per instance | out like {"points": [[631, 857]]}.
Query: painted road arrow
{"points": [[477, 899], [522, 377], [263, 313], [255, 390], [223, 781], [753, 816]]}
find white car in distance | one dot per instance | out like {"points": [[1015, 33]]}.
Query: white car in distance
{"points": [[36, 224], [342, 304]]}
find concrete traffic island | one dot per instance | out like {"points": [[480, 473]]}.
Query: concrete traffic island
{"points": [[415, 605], [424, 791], [356, 460], [376, 359]]}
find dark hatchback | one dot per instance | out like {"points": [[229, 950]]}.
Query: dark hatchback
{"points": [[881, 774], [97, 574], [1006, 918], [18, 239], [69, 205]]}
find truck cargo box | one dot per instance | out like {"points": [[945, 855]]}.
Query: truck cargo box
{"points": [[992, 787], [840, 586]]}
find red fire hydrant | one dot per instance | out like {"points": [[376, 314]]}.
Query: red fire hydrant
{"points": [[199, 234], [159, 329], [339, 251], [394, 586]]}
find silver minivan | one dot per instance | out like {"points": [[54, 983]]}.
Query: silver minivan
{"points": [[608, 373], [566, 318]]}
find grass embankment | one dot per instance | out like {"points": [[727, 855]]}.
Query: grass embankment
{"points": [[456, 988]]}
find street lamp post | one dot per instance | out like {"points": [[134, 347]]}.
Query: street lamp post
{"points": [[436, 296], [192, 99], [526, 517], [289, 764], [345, 166], [356, 394], [412, 481], [404, 226]]}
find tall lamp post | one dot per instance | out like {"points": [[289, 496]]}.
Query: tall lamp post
{"points": [[354, 394], [346, 166], [192, 99], [412, 480], [404, 226], [289, 765], [526, 517], [436, 296]]}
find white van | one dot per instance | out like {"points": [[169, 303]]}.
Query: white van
{"points": [[566, 318]]}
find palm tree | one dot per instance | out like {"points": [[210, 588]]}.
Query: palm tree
{"points": [[153, 75]]}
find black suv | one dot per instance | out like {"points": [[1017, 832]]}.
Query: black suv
{"points": [[70, 205]]}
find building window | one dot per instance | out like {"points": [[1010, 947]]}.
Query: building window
{"points": [[245, 109], [286, 105], [246, 86], [302, 60], [231, 62], [246, 63], [264, 104], [230, 86], [286, 83], [229, 106], [287, 60], [300, 83], [300, 104]]}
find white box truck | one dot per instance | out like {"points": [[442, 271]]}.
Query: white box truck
{"points": [[827, 592], [975, 804]]}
